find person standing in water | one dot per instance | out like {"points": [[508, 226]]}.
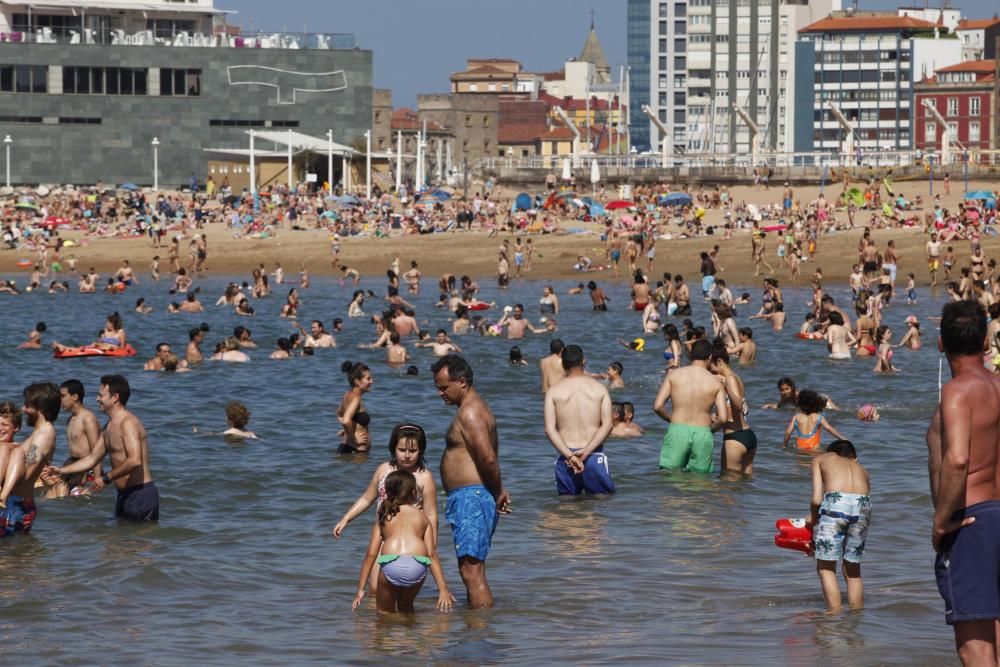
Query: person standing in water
{"points": [[470, 474], [963, 442], [351, 413]]}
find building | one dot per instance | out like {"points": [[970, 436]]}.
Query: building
{"points": [[865, 64], [382, 120], [472, 119], [692, 61], [965, 94], [943, 17], [85, 87], [487, 75], [979, 38]]}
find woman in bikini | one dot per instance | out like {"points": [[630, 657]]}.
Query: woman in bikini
{"points": [[351, 413], [865, 330], [113, 336], [640, 291], [739, 440]]}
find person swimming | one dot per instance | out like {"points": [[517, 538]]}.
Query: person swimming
{"points": [[806, 425]]}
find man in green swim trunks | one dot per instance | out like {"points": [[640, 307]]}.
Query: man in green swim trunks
{"points": [[693, 391]]}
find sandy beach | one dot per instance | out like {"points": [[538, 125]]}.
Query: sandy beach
{"points": [[474, 253]]}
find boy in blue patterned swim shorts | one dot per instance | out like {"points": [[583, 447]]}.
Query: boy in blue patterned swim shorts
{"points": [[840, 512]]}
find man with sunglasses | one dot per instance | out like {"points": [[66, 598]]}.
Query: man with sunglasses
{"points": [[470, 472]]}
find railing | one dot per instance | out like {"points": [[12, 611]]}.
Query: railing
{"points": [[818, 160], [259, 40]]}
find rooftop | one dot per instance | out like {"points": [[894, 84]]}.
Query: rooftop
{"points": [[977, 66], [871, 22], [978, 24], [408, 120]]}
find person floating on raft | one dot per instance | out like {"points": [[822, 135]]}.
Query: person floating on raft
{"points": [[113, 341]]}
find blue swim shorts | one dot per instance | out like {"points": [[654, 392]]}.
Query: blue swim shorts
{"points": [[707, 283], [473, 516], [968, 567], [843, 526], [595, 478], [18, 516]]}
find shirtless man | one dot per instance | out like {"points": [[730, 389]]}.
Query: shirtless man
{"points": [[395, 352], [126, 275], [470, 473], [83, 431], [156, 363], [933, 251], [551, 366], [963, 442], [516, 324], [405, 323], [26, 462], [124, 438], [577, 422], [746, 348], [693, 391], [412, 278], [840, 512], [191, 304], [317, 335], [193, 353], [441, 346]]}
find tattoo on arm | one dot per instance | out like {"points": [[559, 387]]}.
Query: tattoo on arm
{"points": [[31, 457]]}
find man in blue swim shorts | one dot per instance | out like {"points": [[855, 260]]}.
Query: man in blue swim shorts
{"points": [[577, 422], [470, 472], [962, 443], [840, 513]]}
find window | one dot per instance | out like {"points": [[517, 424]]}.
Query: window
{"points": [[952, 106], [80, 121], [974, 108], [953, 131], [180, 82], [974, 131], [473, 87], [24, 79], [166, 28]]}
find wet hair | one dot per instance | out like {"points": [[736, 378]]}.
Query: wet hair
{"points": [[670, 332], [354, 371], [10, 410], [616, 366], [74, 388], [810, 402], [231, 344], [193, 333], [412, 370], [627, 405], [458, 368], [787, 381], [556, 346], [836, 318], [572, 357], [843, 448], [408, 431], [115, 320], [239, 331], [400, 487], [618, 410], [719, 352], [591, 285], [515, 357], [394, 337], [40, 327], [44, 397], [745, 331], [237, 414], [963, 328], [880, 332], [701, 350]]}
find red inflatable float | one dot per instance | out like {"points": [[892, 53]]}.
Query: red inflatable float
{"points": [[91, 351], [479, 306], [810, 336], [793, 534]]}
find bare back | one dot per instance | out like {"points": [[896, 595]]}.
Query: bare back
{"points": [[403, 534], [693, 391], [552, 371], [842, 474], [970, 408], [473, 423], [578, 402], [124, 438]]}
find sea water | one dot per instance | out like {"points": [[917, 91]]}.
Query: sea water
{"points": [[673, 568]]}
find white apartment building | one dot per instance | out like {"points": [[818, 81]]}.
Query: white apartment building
{"points": [[708, 55]]}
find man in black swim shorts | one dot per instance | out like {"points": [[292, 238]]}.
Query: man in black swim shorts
{"points": [[124, 438]]}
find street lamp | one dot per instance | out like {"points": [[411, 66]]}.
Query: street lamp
{"points": [[368, 165], [7, 141], [156, 164], [289, 161], [253, 168], [329, 159]]}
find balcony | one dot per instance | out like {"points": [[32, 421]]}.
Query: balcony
{"points": [[260, 40]]}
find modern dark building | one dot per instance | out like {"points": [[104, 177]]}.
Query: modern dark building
{"points": [[639, 48], [85, 87]]}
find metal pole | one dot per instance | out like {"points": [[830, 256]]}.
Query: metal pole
{"points": [[7, 142], [253, 168], [156, 164], [399, 161], [329, 159], [368, 164], [465, 177], [930, 172], [966, 171], [289, 160], [345, 183]]}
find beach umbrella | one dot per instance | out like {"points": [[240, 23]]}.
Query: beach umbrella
{"points": [[523, 202], [595, 172], [676, 199], [53, 221], [979, 194], [856, 196], [618, 204], [350, 200], [567, 170], [433, 197], [131, 187], [596, 209], [26, 205]]}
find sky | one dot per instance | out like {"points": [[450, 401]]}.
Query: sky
{"points": [[417, 44]]}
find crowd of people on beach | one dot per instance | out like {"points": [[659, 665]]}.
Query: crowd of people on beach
{"points": [[700, 395]]}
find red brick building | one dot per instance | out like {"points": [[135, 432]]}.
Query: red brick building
{"points": [[965, 94]]}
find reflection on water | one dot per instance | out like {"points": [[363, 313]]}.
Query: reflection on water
{"points": [[674, 568]]}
